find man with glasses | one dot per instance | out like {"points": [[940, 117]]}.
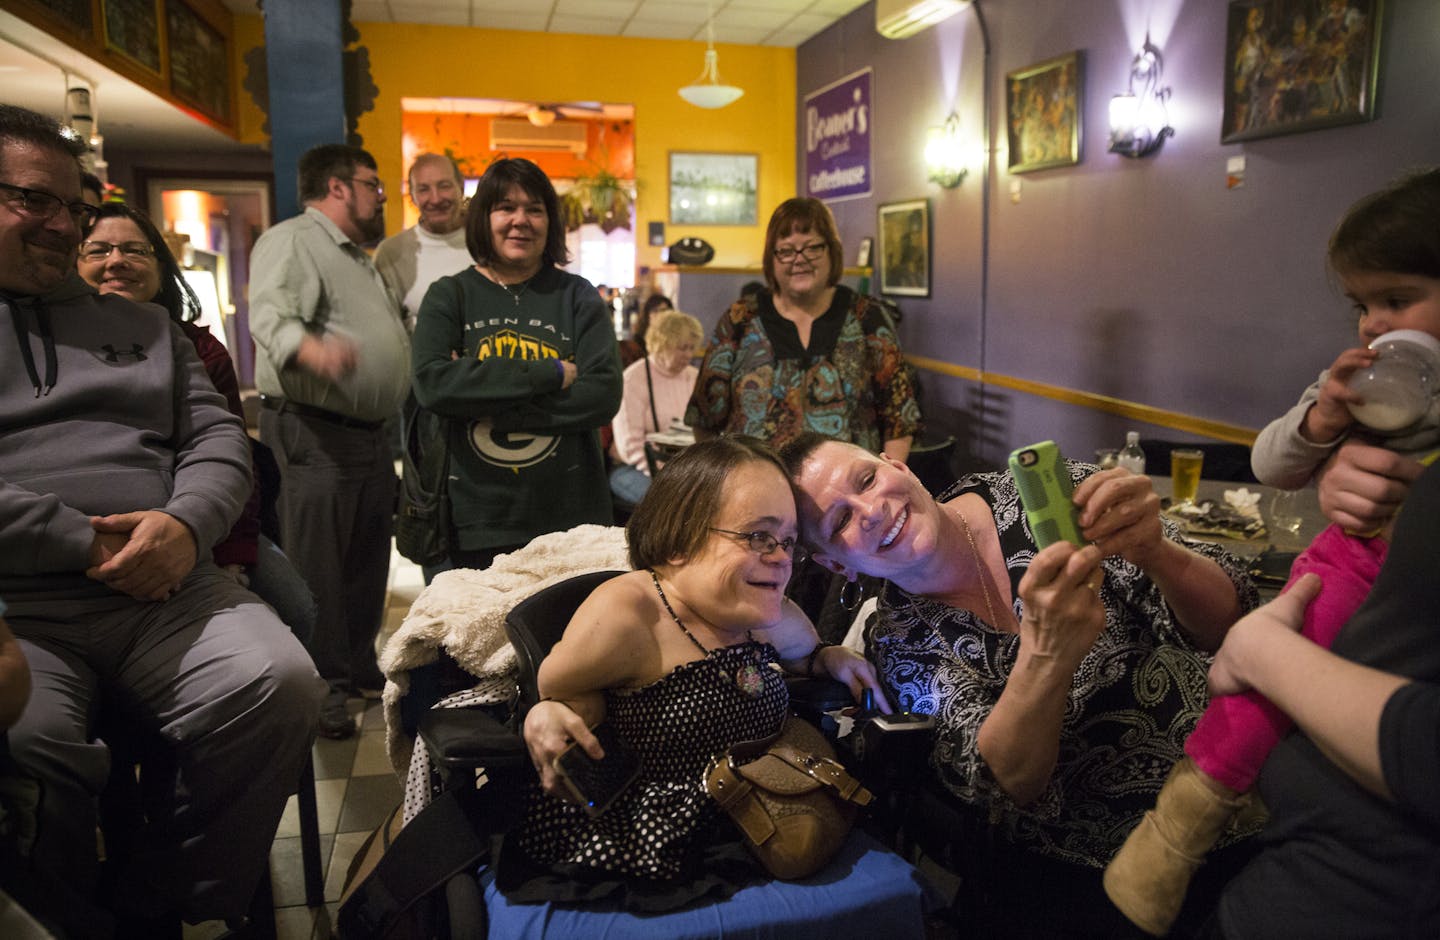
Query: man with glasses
{"points": [[120, 467], [333, 364], [435, 246]]}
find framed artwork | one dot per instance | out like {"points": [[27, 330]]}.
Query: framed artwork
{"points": [[714, 188], [1042, 114], [1299, 65], [904, 257], [132, 28], [862, 257]]}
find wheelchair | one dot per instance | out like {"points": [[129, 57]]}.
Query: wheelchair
{"points": [[867, 889]]}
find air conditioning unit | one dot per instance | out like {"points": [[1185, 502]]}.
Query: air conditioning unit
{"points": [[897, 19], [512, 135]]}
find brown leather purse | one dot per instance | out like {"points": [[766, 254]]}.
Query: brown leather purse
{"points": [[793, 801]]}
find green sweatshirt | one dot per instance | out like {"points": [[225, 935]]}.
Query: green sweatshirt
{"points": [[525, 455]]}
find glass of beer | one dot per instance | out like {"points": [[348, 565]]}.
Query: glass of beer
{"points": [[1185, 466]]}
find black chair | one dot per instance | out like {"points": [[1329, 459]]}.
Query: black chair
{"points": [[1227, 462], [461, 740]]}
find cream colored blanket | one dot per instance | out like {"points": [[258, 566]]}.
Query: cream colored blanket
{"points": [[464, 611]]}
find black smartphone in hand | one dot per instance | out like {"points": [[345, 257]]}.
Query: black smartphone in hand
{"points": [[596, 784]]}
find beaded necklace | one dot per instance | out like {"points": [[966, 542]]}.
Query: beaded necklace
{"points": [[748, 680]]}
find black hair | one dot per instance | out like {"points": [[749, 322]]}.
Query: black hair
{"points": [[494, 185], [319, 164], [1396, 229]]}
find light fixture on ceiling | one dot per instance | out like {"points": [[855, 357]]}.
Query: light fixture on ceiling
{"points": [[541, 117], [708, 91], [944, 154], [1139, 119]]}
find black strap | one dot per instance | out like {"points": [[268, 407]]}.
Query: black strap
{"points": [[650, 384], [444, 839]]}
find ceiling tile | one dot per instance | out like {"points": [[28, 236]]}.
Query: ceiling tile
{"points": [[751, 19], [742, 35], [534, 20], [606, 9], [588, 25], [650, 29], [834, 8]]}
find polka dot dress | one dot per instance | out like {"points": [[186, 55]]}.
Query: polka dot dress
{"points": [[677, 724]]}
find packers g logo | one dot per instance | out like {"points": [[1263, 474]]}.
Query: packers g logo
{"points": [[513, 449]]}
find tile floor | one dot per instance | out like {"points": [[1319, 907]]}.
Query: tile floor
{"points": [[355, 788]]}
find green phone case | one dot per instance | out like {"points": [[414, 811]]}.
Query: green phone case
{"points": [[1045, 491]]}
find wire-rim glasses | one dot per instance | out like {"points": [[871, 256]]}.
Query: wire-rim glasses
{"points": [[763, 543]]}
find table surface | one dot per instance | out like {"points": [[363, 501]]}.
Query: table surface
{"points": [[1307, 503]]}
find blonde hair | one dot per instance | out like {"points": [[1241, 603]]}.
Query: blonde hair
{"points": [[669, 329]]}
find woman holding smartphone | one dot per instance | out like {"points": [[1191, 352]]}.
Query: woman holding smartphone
{"points": [[677, 655], [1060, 680]]}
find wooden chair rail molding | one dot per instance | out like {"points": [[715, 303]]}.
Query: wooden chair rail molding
{"points": [[1219, 430]]}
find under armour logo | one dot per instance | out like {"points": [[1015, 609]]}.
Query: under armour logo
{"points": [[136, 352]]}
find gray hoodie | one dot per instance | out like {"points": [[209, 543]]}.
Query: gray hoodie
{"points": [[104, 408]]}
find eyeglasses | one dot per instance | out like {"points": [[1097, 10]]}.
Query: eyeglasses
{"points": [[812, 252], [375, 185], [99, 251], [763, 543], [44, 206]]}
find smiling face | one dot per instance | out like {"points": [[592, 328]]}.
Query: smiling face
{"points": [[726, 582], [116, 272], [437, 194], [518, 226], [36, 254], [803, 275], [865, 513]]}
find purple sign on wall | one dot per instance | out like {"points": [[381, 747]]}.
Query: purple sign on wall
{"points": [[837, 138]]}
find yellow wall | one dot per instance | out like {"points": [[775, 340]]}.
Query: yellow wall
{"points": [[409, 60]]}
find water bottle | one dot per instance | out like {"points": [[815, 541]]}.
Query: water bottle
{"points": [[1132, 458]]}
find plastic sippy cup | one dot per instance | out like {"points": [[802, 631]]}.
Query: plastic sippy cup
{"points": [[1399, 385]]}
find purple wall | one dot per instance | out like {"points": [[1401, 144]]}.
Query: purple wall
{"points": [[1145, 280]]}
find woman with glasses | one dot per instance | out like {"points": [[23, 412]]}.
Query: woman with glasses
{"points": [[123, 253], [807, 354], [677, 655]]}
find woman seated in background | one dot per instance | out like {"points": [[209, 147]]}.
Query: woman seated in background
{"points": [[635, 348], [1352, 847], [808, 354], [678, 656], [657, 389], [1057, 716], [123, 253]]}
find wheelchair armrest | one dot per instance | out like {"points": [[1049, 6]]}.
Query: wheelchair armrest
{"points": [[460, 738], [819, 695]]}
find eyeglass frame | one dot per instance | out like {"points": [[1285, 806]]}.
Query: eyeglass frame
{"points": [[82, 213], [811, 252], [376, 186], [127, 249], [795, 551]]}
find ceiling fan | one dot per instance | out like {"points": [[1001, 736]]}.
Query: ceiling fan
{"points": [[543, 114]]}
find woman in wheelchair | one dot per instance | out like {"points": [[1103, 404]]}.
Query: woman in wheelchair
{"points": [[678, 657], [1056, 716]]}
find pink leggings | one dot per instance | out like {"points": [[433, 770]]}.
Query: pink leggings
{"points": [[1237, 732]]}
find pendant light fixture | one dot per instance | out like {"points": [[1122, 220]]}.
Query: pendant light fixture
{"points": [[707, 91]]}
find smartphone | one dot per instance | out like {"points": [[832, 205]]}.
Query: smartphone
{"points": [[1046, 491], [597, 783]]}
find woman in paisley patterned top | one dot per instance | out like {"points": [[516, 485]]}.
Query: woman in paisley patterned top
{"points": [[678, 654], [1061, 680], [807, 353]]}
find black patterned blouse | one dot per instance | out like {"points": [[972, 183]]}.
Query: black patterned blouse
{"points": [[1135, 697]]}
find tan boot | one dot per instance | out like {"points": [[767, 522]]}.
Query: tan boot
{"points": [[1148, 877]]}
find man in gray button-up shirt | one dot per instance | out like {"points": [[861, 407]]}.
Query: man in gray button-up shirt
{"points": [[334, 363]]}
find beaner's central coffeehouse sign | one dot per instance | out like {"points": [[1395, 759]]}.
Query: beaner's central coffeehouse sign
{"points": [[837, 138]]}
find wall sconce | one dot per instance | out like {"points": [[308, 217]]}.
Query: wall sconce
{"points": [[1139, 119], [944, 155]]}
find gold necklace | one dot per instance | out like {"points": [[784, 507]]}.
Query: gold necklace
{"points": [[979, 569]]}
